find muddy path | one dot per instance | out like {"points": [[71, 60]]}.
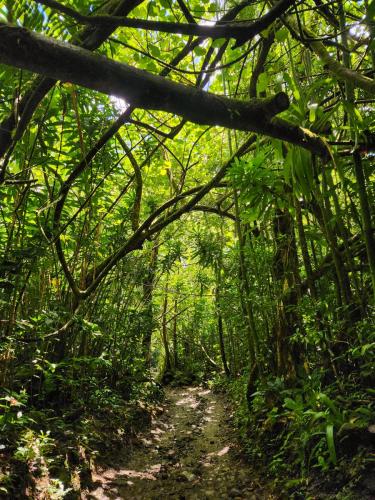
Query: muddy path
{"points": [[189, 453]]}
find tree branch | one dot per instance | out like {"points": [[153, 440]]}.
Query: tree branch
{"points": [[213, 210], [186, 12], [138, 182], [148, 228], [24, 49], [336, 68], [241, 32], [261, 61], [90, 38]]}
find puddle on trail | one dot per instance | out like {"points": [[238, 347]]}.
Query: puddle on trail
{"points": [[187, 454]]}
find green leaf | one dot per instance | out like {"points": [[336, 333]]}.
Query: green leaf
{"points": [[218, 42], [281, 35], [296, 94], [371, 10], [329, 403], [331, 443], [290, 404], [262, 83], [199, 51], [155, 51], [312, 111]]}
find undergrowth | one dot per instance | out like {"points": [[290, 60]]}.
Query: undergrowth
{"points": [[51, 440], [317, 434]]}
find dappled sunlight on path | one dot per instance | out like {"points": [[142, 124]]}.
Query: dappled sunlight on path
{"points": [[188, 453]]}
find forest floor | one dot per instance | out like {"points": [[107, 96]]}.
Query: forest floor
{"points": [[190, 452]]}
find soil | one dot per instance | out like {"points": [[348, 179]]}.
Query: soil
{"points": [[189, 453]]}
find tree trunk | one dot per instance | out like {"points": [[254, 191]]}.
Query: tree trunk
{"points": [[366, 216], [286, 276], [175, 341], [164, 334], [220, 328], [148, 288]]}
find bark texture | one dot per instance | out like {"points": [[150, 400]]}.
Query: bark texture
{"points": [[24, 49]]}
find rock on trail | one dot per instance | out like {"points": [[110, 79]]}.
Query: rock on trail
{"points": [[188, 453]]}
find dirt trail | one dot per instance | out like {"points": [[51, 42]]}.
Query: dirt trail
{"points": [[189, 453]]}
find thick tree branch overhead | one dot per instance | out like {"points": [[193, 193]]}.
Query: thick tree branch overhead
{"points": [[90, 38], [27, 50], [241, 32]]}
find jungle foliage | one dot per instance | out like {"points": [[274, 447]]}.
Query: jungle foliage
{"points": [[209, 218]]}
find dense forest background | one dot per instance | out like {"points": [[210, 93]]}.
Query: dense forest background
{"points": [[201, 210]]}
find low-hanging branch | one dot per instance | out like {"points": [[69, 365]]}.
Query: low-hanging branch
{"points": [[14, 125], [21, 48], [241, 32], [213, 210], [89, 39]]}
